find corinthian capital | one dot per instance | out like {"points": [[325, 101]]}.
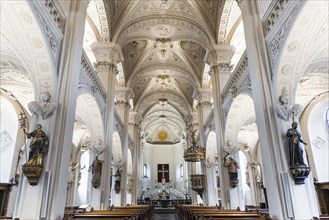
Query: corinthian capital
{"points": [[105, 66], [223, 67], [221, 54], [109, 52]]}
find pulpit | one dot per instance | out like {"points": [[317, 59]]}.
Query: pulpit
{"points": [[198, 183]]}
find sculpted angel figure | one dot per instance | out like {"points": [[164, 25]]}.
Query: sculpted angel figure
{"points": [[45, 108]]}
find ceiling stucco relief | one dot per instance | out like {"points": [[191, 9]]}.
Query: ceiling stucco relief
{"points": [[175, 7], [310, 86], [140, 86], [166, 27], [174, 100], [155, 70], [195, 53], [209, 11], [306, 45], [18, 83]]}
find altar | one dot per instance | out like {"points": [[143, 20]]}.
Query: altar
{"points": [[165, 203]]}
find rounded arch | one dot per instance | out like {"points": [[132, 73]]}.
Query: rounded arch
{"points": [[241, 113], [305, 45], [180, 29], [31, 50], [9, 138], [211, 147], [315, 129], [88, 112], [117, 149]]}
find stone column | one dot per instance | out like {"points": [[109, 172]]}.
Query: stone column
{"points": [[124, 107], [276, 178], [47, 199], [202, 141], [109, 69], [204, 107], [219, 59], [107, 56], [137, 160]]}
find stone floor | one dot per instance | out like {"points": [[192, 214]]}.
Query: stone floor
{"points": [[164, 217]]}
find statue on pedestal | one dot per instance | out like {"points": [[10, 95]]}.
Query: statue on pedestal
{"points": [[233, 167], [96, 170], [38, 149], [38, 146], [297, 165], [295, 150]]}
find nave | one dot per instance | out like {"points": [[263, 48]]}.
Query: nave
{"points": [[159, 103]]}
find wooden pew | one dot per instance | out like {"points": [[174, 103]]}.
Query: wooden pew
{"points": [[119, 213], [212, 212]]}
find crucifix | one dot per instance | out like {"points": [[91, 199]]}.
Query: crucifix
{"points": [[163, 173]]}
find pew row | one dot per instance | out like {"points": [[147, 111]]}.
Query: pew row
{"points": [[187, 212], [118, 213]]}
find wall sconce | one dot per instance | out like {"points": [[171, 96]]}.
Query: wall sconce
{"points": [[83, 147]]}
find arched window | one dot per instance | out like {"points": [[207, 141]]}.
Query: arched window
{"points": [[145, 170]]}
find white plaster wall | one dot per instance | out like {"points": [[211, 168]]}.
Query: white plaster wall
{"points": [[319, 138], [8, 131], [164, 154], [83, 187]]}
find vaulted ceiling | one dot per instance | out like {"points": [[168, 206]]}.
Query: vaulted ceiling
{"points": [[164, 43]]}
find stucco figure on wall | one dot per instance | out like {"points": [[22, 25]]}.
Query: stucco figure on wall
{"points": [[284, 109], [45, 108], [99, 147], [96, 170]]}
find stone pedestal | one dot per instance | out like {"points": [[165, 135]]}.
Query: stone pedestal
{"points": [[300, 173], [33, 173]]}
